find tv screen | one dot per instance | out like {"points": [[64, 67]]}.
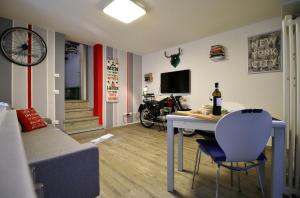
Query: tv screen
{"points": [[175, 82]]}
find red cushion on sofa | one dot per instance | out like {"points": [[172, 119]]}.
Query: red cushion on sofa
{"points": [[30, 119]]}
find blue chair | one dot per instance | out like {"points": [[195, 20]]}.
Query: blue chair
{"points": [[241, 136]]}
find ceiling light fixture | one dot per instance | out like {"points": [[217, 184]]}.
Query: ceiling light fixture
{"points": [[124, 10]]}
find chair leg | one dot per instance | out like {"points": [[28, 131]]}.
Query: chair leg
{"points": [[260, 182], [246, 172], [239, 181], [231, 175], [217, 181], [196, 160], [199, 158]]}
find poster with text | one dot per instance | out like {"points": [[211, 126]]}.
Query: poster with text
{"points": [[264, 53], [112, 81]]}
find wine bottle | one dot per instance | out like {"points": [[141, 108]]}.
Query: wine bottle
{"points": [[217, 100]]}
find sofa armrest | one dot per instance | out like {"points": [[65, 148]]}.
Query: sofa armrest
{"points": [[74, 173]]}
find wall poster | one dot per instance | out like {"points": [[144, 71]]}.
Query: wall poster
{"points": [[112, 81], [264, 53]]}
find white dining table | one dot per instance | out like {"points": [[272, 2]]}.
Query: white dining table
{"points": [[180, 122]]}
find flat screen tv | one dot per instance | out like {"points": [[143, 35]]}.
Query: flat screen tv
{"points": [[175, 82]]}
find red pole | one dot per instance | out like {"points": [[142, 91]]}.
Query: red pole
{"points": [[29, 67], [98, 82]]}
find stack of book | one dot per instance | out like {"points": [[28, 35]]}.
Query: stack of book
{"points": [[217, 53]]}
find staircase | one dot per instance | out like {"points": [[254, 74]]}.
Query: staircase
{"points": [[79, 117]]}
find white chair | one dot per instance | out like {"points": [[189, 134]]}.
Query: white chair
{"points": [[241, 136]]}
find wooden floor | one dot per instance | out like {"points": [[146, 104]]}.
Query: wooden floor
{"points": [[133, 164]]}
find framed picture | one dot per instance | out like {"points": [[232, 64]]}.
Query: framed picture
{"points": [[112, 81], [148, 77], [264, 53], [217, 53]]}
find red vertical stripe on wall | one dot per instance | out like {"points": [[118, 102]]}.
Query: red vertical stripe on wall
{"points": [[29, 67], [98, 82]]}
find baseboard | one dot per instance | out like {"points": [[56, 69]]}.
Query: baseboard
{"points": [[127, 124]]}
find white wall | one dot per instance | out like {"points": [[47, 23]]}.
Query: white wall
{"points": [[90, 78], [255, 90], [114, 112], [137, 86], [19, 80], [40, 99], [43, 98], [51, 71]]}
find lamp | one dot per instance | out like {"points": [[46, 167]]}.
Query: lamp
{"points": [[125, 11]]}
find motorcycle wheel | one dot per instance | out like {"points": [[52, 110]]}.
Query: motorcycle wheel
{"points": [[146, 122], [188, 132]]}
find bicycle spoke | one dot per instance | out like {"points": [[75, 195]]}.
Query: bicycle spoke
{"points": [[15, 42]]}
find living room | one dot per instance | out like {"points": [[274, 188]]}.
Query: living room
{"points": [[97, 102]]}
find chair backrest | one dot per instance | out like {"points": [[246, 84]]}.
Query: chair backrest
{"points": [[244, 134]]}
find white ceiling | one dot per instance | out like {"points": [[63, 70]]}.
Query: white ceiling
{"points": [[166, 24]]}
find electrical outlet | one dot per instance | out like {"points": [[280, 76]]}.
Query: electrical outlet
{"points": [[55, 122], [128, 114], [56, 91]]}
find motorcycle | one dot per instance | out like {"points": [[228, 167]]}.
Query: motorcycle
{"points": [[151, 110]]}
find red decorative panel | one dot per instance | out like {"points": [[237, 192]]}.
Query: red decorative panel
{"points": [[98, 82]]}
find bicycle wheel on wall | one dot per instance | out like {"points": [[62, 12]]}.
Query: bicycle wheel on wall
{"points": [[23, 46]]}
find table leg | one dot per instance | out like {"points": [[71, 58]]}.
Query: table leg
{"points": [[180, 150], [278, 163], [170, 162]]}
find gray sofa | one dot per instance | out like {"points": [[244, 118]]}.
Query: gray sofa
{"points": [[15, 179], [66, 168]]}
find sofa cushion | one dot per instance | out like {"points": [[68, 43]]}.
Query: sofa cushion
{"points": [[30, 119], [65, 167], [47, 143]]}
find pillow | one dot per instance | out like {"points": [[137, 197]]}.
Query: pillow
{"points": [[3, 106], [30, 120]]}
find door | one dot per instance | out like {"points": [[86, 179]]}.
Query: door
{"points": [[72, 71]]}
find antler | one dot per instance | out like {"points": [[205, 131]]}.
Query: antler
{"points": [[179, 51], [167, 55]]}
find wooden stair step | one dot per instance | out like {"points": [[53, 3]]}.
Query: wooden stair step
{"points": [[76, 104], [81, 123], [79, 109], [84, 130], [75, 101], [81, 119], [78, 113]]}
